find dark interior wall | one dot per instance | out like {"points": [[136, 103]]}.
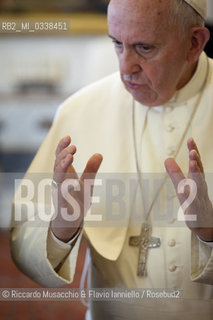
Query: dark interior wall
{"points": [[209, 46]]}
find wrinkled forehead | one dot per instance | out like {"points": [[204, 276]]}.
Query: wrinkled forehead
{"points": [[139, 8], [138, 15]]}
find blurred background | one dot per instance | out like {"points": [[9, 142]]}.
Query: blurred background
{"points": [[38, 71]]}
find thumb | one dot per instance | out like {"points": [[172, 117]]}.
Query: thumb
{"points": [[174, 172], [92, 167]]}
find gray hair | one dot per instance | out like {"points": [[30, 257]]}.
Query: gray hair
{"points": [[181, 13]]}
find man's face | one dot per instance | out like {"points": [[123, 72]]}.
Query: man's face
{"points": [[152, 54]]}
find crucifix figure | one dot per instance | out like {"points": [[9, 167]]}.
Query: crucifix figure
{"points": [[144, 241]]}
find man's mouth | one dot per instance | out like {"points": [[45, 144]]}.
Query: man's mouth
{"points": [[133, 85]]}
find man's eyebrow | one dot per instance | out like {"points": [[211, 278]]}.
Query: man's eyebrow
{"points": [[134, 44], [111, 37]]}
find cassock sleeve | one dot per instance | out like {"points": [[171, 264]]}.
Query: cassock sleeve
{"points": [[202, 261], [57, 250], [29, 239], [50, 267]]}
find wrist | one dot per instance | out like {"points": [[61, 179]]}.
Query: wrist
{"points": [[205, 234], [65, 234]]}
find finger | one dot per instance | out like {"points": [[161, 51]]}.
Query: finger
{"points": [[69, 150], [174, 172], [62, 168], [197, 175], [194, 154], [92, 167], [192, 146], [63, 143], [194, 167], [176, 176], [195, 161]]}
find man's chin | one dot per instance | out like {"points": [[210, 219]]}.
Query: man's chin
{"points": [[144, 99], [143, 95]]}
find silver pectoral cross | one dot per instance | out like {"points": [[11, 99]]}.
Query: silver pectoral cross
{"points": [[144, 242]]}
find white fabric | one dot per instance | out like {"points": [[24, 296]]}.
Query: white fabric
{"points": [[88, 315], [83, 282], [209, 16], [98, 118], [199, 6], [210, 244]]}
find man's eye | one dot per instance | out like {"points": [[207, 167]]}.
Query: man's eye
{"points": [[117, 43], [143, 48]]}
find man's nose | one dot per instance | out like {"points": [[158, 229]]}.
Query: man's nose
{"points": [[129, 63]]}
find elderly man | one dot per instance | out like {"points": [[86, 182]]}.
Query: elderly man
{"points": [[135, 121]]}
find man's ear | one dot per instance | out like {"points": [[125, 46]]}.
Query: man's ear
{"points": [[199, 36]]}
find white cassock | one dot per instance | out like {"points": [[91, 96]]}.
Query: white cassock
{"points": [[99, 119]]}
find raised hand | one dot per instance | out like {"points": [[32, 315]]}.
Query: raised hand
{"points": [[201, 207], [68, 216]]}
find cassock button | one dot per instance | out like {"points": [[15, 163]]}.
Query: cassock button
{"points": [[170, 128], [170, 152], [172, 268], [172, 243]]}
